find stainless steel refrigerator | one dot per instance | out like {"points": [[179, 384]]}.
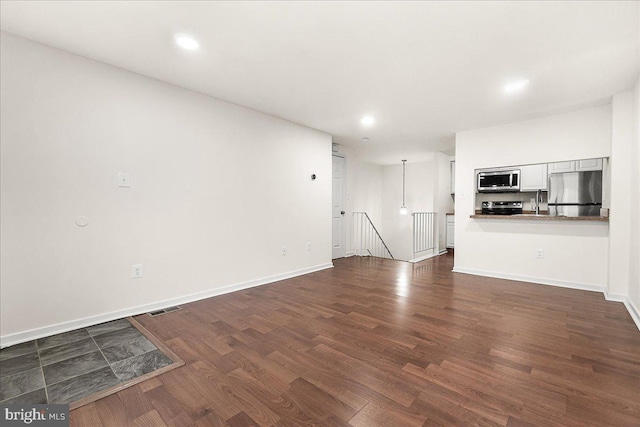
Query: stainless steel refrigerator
{"points": [[575, 193]]}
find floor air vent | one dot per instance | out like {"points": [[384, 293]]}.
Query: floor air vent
{"points": [[163, 311]]}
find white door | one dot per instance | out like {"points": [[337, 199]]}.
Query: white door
{"points": [[338, 207]]}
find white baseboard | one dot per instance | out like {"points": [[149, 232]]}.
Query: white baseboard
{"points": [[530, 279], [422, 258], [631, 307], [350, 253], [32, 334]]}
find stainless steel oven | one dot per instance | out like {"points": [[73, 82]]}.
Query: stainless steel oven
{"points": [[499, 181], [501, 208]]}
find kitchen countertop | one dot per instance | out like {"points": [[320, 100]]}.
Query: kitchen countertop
{"points": [[541, 217]]}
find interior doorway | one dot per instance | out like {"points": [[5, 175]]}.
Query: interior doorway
{"points": [[338, 207]]}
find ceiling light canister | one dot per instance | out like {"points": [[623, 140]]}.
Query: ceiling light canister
{"points": [[186, 42], [516, 86], [367, 120]]}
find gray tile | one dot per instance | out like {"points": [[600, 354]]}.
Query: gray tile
{"points": [[128, 349], [73, 367], [19, 364], [60, 339], [81, 386], [117, 337], [34, 397], [67, 351], [108, 327], [140, 365], [24, 382], [18, 350]]}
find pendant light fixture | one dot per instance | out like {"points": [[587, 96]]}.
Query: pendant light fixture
{"points": [[403, 208]]}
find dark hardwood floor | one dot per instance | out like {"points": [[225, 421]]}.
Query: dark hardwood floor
{"points": [[377, 342]]}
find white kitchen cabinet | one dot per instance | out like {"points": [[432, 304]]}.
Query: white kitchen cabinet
{"points": [[450, 230], [453, 177], [562, 167], [576, 166], [533, 177], [588, 165]]}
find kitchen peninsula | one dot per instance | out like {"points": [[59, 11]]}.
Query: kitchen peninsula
{"points": [[541, 217]]}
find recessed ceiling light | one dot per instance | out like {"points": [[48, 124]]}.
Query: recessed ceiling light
{"points": [[365, 139], [367, 120], [516, 86], [186, 42]]}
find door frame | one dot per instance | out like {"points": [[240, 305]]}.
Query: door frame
{"points": [[343, 197]]}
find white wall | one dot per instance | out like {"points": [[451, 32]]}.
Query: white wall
{"points": [[216, 191], [420, 196], [621, 193], [576, 253], [624, 268], [634, 277]]}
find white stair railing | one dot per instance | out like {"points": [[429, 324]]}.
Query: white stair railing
{"points": [[424, 232], [367, 240]]}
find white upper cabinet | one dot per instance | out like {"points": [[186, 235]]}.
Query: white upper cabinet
{"points": [[576, 166], [533, 177], [562, 167], [589, 165]]}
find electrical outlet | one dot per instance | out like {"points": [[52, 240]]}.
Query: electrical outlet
{"points": [[284, 251], [308, 246], [136, 271], [123, 180], [539, 253]]}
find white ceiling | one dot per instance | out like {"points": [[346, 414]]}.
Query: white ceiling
{"points": [[424, 69]]}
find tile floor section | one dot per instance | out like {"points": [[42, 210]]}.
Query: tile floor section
{"points": [[68, 367]]}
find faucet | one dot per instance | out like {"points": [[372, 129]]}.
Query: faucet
{"points": [[538, 196]]}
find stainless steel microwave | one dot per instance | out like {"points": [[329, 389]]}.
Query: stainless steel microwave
{"points": [[499, 181]]}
